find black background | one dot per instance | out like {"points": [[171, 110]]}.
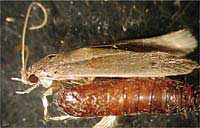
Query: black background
{"points": [[81, 24]]}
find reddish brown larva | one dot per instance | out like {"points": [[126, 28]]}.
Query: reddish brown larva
{"points": [[127, 97]]}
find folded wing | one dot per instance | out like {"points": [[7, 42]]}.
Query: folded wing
{"points": [[121, 64]]}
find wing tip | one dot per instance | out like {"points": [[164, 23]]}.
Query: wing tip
{"points": [[182, 39]]}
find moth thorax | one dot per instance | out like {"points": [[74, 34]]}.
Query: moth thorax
{"points": [[46, 82]]}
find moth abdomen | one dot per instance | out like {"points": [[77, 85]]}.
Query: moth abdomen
{"points": [[127, 97]]}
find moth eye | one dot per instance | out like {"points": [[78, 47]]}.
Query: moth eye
{"points": [[51, 56], [33, 79]]}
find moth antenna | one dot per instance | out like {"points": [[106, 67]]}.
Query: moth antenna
{"points": [[25, 58]]}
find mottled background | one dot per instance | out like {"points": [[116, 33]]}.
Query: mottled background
{"points": [[73, 25]]}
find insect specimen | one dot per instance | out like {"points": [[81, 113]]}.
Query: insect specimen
{"points": [[128, 97], [84, 65]]}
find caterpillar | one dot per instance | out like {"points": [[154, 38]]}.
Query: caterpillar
{"points": [[128, 96]]}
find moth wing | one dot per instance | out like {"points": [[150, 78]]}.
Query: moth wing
{"points": [[127, 64], [180, 43], [89, 53], [51, 61], [56, 65]]}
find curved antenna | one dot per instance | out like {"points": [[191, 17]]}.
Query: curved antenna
{"points": [[25, 59]]}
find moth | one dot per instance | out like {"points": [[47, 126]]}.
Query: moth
{"points": [[159, 56]]}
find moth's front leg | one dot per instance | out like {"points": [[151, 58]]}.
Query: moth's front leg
{"points": [[27, 90], [55, 87]]}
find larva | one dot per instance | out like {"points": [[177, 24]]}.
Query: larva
{"points": [[128, 97]]}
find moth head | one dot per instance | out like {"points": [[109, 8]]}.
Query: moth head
{"points": [[31, 80], [36, 78], [26, 78]]}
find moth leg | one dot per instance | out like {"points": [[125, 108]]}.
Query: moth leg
{"points": [[107, 122], [27, 90], [82, 81], [55, 87], [74, 82], [45, 105], [88, 80], [62, 117], [185, 114], [46, 116]]}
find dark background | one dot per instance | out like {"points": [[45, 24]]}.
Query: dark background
{"points": [[80, 24]]}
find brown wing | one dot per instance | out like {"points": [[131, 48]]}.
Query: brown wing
{"points": [[119, 64], [179, 43]]}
